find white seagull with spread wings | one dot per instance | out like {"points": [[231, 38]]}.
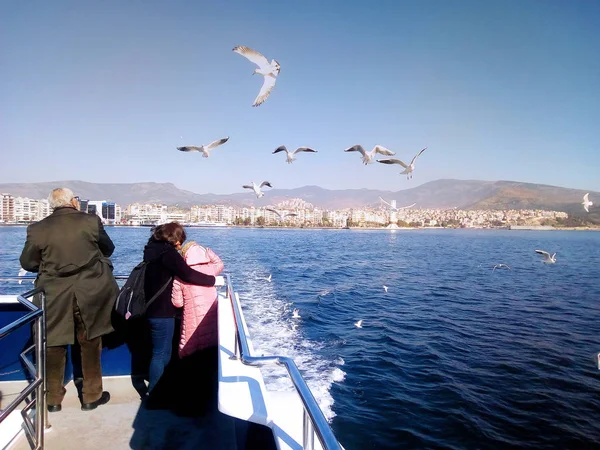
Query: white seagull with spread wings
{"points": [[256, 188], [204, 149], [281, 215], [268, 70], [408, 169], [291, 156], [586, 202], [367, 157], [395, 208], [547, 258]]}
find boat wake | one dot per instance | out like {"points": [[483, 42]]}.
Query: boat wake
{"points": [[273, 331]]}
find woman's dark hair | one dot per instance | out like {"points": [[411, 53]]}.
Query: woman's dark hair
{"points": [[169, 232]]}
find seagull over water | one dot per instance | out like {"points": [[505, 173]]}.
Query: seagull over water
{"points": [[291, 156], [280, 215], [497, 266], [385, 288], [358, 324], [296, 314], [269, 70], [22, 273], [547, 258], [204, 149], [586, 202], [408, 169], [269, 277], [256, 188], [367, 157]]}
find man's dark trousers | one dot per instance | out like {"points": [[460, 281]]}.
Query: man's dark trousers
{"points": [[91, 366]]}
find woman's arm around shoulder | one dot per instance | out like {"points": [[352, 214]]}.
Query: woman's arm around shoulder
{"points": [[173, 261]]}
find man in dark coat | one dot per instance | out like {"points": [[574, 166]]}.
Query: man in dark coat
{"points": [[69, 249]]}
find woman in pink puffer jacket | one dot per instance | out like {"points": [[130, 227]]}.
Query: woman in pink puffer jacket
{"points": [[199, 324]]}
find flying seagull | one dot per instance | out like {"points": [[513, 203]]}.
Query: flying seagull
{"points": [[497, 266], [256, 188], [22, 273], [586, 202], [358, 324], [291, 156], [394, 208], [296, 314], [385, 288], [407, 169], [268, 70], [547, 258], [280, 215], [367, 157], [204, 149], [269, 277]]}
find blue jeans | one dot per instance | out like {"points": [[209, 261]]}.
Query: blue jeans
{"points": [[162, 330]]}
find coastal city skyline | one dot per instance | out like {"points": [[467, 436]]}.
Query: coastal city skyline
{"points": [[293, 212]]}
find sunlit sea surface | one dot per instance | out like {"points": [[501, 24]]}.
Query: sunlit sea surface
{"points": [[454, 355]]}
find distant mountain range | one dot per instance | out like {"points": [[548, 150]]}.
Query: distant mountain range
{"points": [[463, 194]]}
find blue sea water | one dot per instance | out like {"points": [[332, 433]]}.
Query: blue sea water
{"points": [[455, 355]]}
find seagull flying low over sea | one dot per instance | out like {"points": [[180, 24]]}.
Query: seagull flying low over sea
{"points": [[256, 188], [586, 202], [408, 169], [204, 149], [22, 273], [497, 266], [280, 215], [291, 156], [269, 277], [394, 208], [367, 157], [547, 258], [358, 324], [385, 288], [268, 70], [296, 314]]}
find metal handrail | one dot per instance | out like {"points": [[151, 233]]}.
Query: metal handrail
{"points": [[314, 421], [35, 431]]}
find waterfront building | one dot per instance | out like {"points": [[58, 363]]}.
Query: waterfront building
{"points": [[7, 208]]}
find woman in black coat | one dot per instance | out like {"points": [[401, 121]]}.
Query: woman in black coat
{"points": [[165, 263]]}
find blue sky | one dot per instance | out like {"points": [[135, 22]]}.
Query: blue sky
{"points": [[105, 91]]}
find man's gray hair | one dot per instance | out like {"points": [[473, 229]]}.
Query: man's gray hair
{"points": [[60, 197]]}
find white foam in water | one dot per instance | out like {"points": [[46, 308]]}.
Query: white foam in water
{"points": [[272, 332]]}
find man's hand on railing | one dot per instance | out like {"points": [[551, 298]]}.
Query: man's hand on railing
{"points": [[219, 281]]}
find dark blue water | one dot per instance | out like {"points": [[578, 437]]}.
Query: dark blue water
{"points": [[454, 355]]}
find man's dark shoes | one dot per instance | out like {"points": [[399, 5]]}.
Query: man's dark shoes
{"points": [[104, 398], [54, 408]]}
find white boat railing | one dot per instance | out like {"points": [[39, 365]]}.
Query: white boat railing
{"points": [[33, 430], [314, 422]]}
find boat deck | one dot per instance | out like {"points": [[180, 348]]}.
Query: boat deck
{"points": [[191, 421]]}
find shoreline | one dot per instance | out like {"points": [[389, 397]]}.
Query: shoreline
{"points": [[343, 228]]}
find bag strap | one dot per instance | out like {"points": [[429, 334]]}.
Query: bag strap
{"points": [[160, 291]]}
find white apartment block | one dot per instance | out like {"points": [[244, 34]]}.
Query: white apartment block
{"points": [[30, 210]]}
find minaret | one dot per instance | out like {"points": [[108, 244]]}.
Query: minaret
{"points": [[393, 217]]}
